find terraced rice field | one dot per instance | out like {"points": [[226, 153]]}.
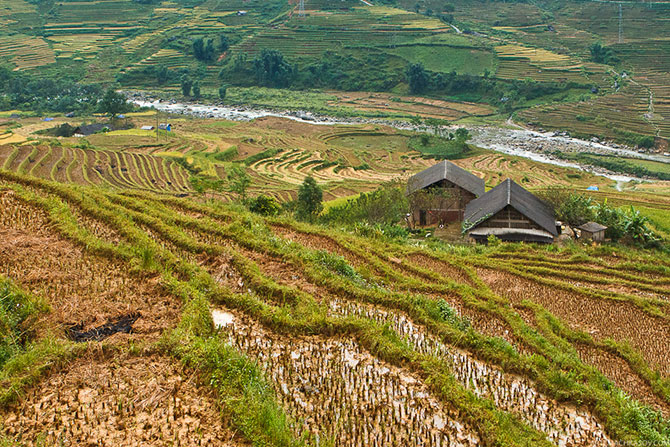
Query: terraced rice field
{"points": [[425, 107], [604, 115], [26, 52], [96, 167], [277, 153], [257, 330], [521, 62], [361, 27]]}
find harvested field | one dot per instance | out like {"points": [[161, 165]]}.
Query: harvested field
{"points": [[80, 288], [126, 400], [602, 318], [351, 339]]}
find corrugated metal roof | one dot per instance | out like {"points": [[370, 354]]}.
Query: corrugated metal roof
{"points": [[509, 193], [446, 170], [592, 227]]}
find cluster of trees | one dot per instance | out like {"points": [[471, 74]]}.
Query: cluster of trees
{"points": [[22, 91], [205, 49], [332, 70], [623, 224], [602, 54], [160, 74], [386, 205], [272, 70], [441, 146], [506, 95]]}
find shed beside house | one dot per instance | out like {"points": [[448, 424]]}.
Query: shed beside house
{"points": [[440, 193], [593, 231], [510, 213], [147, 128]]}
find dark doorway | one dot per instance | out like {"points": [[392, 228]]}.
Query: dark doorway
{"points": [[422, 217]]}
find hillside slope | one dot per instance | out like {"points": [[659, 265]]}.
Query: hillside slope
{"points": [[509, 345], [492, 49]]}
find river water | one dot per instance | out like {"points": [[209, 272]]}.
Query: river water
{"points": [[520, 142]]}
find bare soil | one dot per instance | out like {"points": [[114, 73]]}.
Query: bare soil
{"points": [[600, 317], [80, 288]]}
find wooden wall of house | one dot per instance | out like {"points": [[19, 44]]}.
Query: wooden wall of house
{"points": [[436, 214], [508, 217]]}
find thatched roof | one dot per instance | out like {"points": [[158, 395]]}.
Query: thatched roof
{"points": [[446, 170], [509, 193]]}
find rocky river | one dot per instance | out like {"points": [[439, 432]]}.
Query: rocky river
{"points": [[521, 142]]}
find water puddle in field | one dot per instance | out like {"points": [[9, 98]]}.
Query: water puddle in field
{"points": [[340, 392], [563, 424], [222, 319]]}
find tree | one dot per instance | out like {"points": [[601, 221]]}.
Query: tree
{"points": [[209, 51], [203, 50], [196, 89], [199, 48], [186, 85], [272, 70], [224, 42], [310, 197], [162, 74], [239, 180], [601, 54], [462, 135], [113, 103], [417, 78], [222, 92]]}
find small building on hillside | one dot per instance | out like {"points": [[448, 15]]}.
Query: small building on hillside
{"points": [[510, 213], [147, 127], [165, 126], [90, 129], [439, 194], [593, 231]]}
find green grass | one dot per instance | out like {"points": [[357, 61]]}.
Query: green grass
{"points": [[444, 59], [634, 166], [443, 149]]}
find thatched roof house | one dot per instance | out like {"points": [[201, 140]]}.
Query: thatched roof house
{"points": [[511, 213], [440, 193]]}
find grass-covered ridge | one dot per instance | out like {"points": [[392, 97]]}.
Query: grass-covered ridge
{"points": [[183, 243]]}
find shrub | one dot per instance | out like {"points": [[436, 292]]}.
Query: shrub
{"points": [[450, 315], [16, 309], [265, 206], [386, 205]]}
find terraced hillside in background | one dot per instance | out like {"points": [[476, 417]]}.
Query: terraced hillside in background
{"points": [[236, 318], [545, 41], [277, 153]]}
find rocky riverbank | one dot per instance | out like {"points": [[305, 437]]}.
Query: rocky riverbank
{"points": [[526, 143]]}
